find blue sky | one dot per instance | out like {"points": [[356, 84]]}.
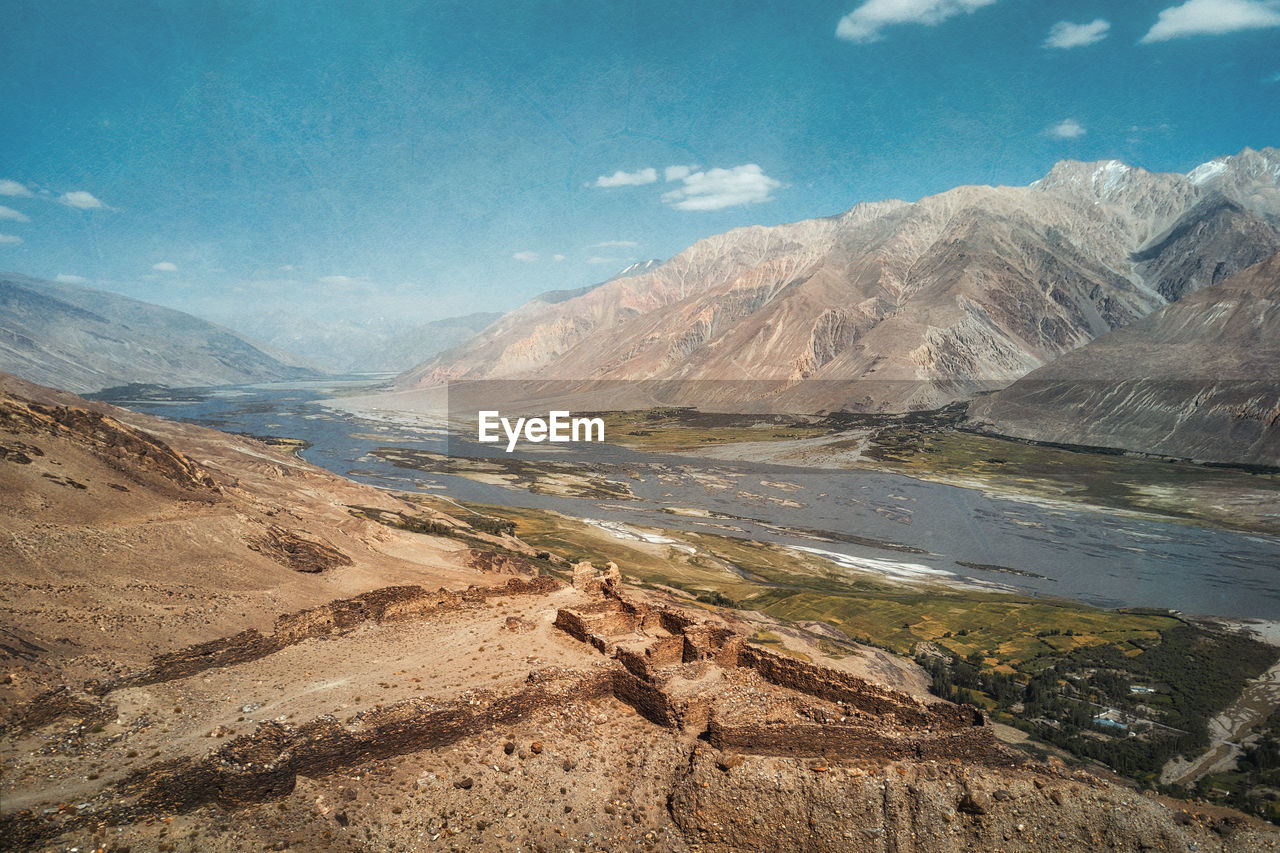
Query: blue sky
{"points": [[421, 160]]}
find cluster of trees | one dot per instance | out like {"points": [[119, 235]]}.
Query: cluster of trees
{"points": [[954, 679], [1254, 786], [1058, 696], [1263, 758], [494, 526]]}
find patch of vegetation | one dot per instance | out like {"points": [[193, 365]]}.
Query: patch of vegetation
{"points": [[1080, 697], [293, 446], [1226, 497], [401, 521], [933, 445], [143, 391], [674, 429], [1254, 785], [493, 526], [1050, 668]]}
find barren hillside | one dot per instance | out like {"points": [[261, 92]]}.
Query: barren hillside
{"points": [[210, 645], [894, 305]]}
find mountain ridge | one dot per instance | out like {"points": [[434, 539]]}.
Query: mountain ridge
{"points": [[82, 339], [944, 296], [374, 345], [1195, 379]]}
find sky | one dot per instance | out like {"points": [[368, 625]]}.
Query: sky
{"points": [[412, 161]]}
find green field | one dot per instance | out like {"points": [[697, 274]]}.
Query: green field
{"points": [[1221, 496], [673, 430], [795, 586]]}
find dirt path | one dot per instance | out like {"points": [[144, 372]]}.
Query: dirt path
{"points": [[1257, 701]]}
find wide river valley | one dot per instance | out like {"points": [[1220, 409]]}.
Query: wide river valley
{"points": [[1055, 549]]}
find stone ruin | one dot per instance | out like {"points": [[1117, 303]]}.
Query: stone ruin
{"points": [[697, 679], [586, 580], [705, 679]]}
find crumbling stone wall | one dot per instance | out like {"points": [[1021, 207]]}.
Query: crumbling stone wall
{"points": [[655, 645], [586, 580], [837, 686], [647, 698], [389, 604], [834, 740]]}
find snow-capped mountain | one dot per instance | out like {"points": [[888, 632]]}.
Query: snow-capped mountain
{"points": [[959, 291]]}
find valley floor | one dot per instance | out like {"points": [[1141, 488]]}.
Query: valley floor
{"points": [[212, 645]]}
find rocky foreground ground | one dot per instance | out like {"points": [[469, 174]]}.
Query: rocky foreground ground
{"points": [[207, 647]]}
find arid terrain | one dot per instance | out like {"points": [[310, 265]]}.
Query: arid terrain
{"points": [[889, 306], [211, 645], [591, 427], [1198, 380]]}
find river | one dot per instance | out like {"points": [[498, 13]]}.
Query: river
{"points": [[1066, 551]]}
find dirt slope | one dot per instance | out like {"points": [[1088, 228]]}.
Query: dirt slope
{"points": [[206, 650]]}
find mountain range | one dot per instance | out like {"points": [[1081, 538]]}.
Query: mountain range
{"points": [[349, 345], [1088, 282], [82, 339], [894, 306], [1197, 378]]}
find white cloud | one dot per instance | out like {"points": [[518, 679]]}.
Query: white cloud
{"points": [[1066, 35], [598, 259], [165, 266], [623, 244], [1213, 17], [9, 239], [676, 173], [10, 213], [80, 199], [557, 258], [1067, 129], [628, 179], [341, 280], [864, 23], [719, 188], [526, 257], [67, 278], [13, 188], [286, 268]]}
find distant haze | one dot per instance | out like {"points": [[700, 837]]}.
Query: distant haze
{"points": [[379, 344]]}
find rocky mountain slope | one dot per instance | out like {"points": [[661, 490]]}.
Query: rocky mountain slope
{"points": [[495, 343], [83, 339], [1196, 379], [105, 513], [894, 305]]}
